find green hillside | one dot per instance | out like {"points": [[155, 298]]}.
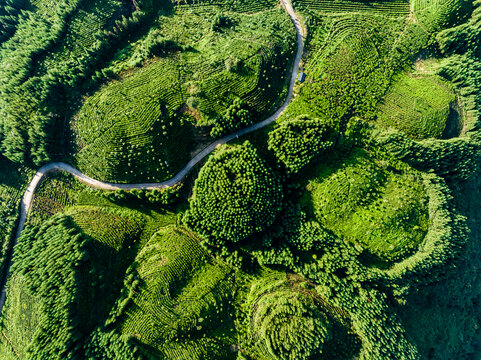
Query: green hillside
{"points": [[344, 226], [142, 125], [420, 106], [382, 206]]}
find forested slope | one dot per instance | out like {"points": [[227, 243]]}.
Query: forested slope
{"points": [[347, 229]]}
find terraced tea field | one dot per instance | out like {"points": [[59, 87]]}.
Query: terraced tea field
{"points": [[183, 299], [140, 127], [381, 206], [420, 106], [324, 236], [394, 8], [86, 22]]}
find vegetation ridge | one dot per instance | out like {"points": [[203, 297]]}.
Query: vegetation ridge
{"points": [[27, 198]]}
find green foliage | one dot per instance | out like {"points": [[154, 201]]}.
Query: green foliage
{"points": [[20, 321], [418, 105], [114, 229], [155, 44], [111, 345], [441, 248], [434, 15], [83, 30], [235, 196], [376, 323], [70, 284], [377, 204], [236, 117], [244, 6], [286, 323], [101, 282], [297, 142]]}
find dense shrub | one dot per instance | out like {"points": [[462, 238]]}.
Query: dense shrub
{"points": [[235, 195], [222, 21], [237, 116], [296, 142], [155, 44]]}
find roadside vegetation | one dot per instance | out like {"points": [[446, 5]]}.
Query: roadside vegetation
{"points": [[348, 228]]}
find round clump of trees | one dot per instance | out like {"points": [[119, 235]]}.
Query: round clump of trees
{"points": [[296, 142], [235, 195], [287, 323]]}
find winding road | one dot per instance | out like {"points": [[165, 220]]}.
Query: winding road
{"points": [[27, 199]]}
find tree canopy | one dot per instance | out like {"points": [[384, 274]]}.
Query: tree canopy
{"points": [[235, 195], [296, 142]]}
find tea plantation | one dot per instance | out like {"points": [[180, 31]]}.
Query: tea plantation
{"points": [[420, 106], [341, 221], [143, 125]]}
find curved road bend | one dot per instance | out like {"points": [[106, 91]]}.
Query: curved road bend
{"points": [[59, 166]]}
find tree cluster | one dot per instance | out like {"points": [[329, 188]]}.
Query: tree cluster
{"points": [[222, 21], [296, 142], [49, 258], [10, 10], [237, 116], [235, 196]]}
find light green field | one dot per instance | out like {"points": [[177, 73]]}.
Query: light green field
{"points": [[417, 105], [378, 205]]}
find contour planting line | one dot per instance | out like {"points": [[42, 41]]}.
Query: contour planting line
{"points": [[27, 199]]}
